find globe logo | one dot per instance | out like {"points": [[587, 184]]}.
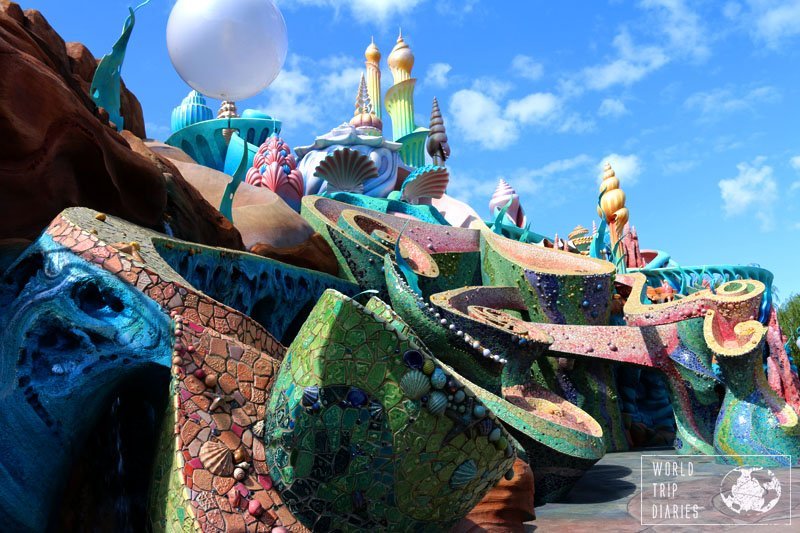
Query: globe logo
{"points": [[750, 490]]}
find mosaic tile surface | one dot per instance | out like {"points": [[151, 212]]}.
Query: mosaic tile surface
{"points": [[363, 422]]}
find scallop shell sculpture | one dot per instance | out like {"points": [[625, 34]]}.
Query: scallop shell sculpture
{"points": [[463, 474], [346, 170], [500, 198], [426, 182], [437, 403], [275, 168], [258, 429], [216, 458], [415, 384]]}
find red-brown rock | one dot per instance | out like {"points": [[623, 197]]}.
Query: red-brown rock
{"points": [[83, 65], [506, 507], [58, 152], [187, 213], [314, 254]]}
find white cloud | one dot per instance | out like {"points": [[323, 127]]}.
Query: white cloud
{"points": [[318, 101], [795, 162], [627, 167], [471, 190], [718, 102], [776, 22], [536, 108], [753, 190], [633, 63], [479, 118], [576, 123], [682, 26], [493, 88], [562, 165], [364, 11], [437, 75], [731, 10], [611, 107], [480, 115], [526, 67], [342, 83], [157, 131]]}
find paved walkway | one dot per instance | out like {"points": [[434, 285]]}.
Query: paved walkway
{"points": [[610, 498]]}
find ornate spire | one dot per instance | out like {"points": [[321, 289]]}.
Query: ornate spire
{"points": [[438, 148], [363, 102], [364, 115]]}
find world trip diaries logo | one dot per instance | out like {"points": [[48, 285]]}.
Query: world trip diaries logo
{"points": [[703, 490]]}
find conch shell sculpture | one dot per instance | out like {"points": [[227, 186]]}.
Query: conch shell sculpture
{"points": [[438, 147], [500, 198], [612, 204], [275, 168]]}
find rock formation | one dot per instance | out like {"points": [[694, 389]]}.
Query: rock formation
{"points": [[58, 150]]}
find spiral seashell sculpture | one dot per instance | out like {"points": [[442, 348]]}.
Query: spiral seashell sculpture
{"points": [[346, 170], [275, 168], [438, 147], [500, 198], [612, 204]]}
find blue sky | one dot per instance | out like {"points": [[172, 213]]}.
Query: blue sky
{"points": [[695, 103]]}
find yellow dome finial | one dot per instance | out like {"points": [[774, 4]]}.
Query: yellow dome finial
{"points": [[401, 60], [372, 53]]}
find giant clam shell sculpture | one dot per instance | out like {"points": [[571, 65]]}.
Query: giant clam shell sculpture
{"points": [[346, 170], [426, 182]]}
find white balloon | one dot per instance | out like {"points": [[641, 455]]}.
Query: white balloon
{"points": [[227, 49]]}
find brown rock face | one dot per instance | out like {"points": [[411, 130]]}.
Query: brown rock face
{"points": [[187, 214], [56, 151], [83, 65], [314, 254], [506, 508], [269, 227]]}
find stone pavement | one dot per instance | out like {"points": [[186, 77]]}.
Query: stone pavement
{"points": [[609, 498]]}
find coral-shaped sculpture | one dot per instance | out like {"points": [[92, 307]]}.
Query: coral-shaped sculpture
{"points": [[426, 182], [227, 110], [193, 109], [346, 170], [364, 116], [612, 204], [500, 199], [106, 84], [275, 168], [438, 148], [630, 243]]}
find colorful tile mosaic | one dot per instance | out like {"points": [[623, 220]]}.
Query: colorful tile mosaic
{"points": [[366, 430]]}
